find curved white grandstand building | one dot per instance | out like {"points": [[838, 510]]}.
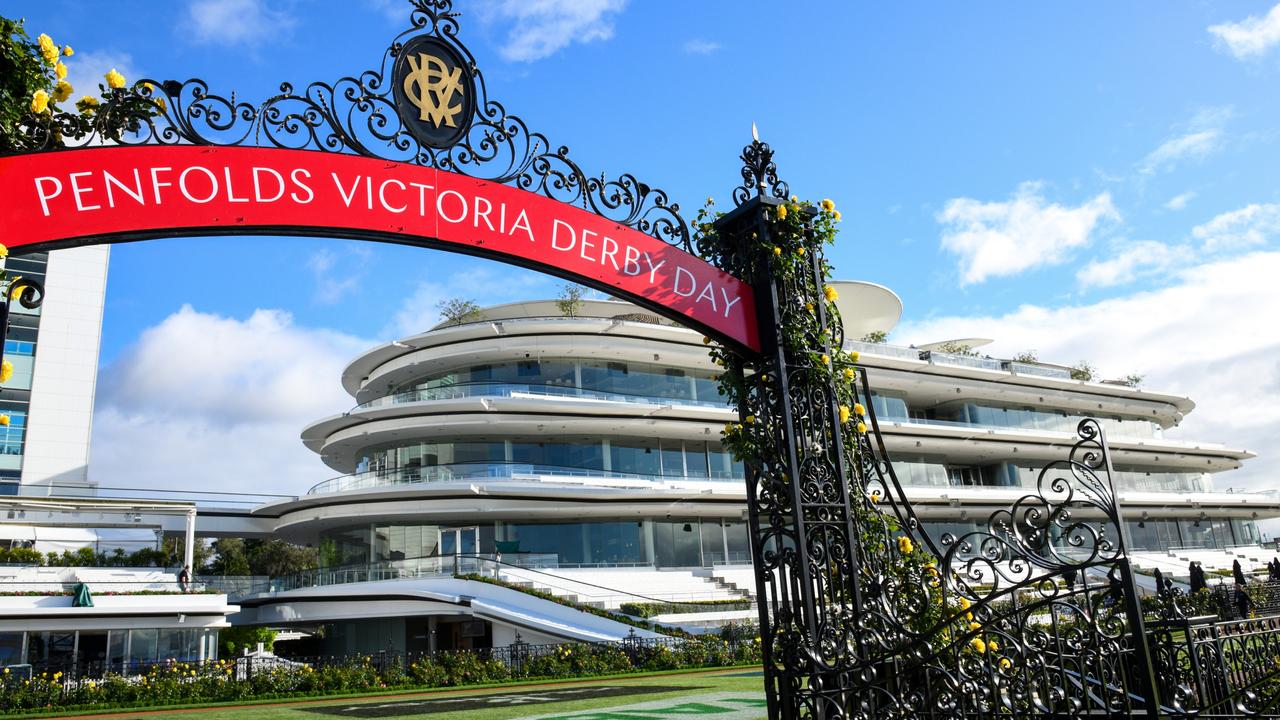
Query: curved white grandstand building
{"points": [[578, 453]]}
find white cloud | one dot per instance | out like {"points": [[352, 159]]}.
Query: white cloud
{"points": [[337, 274], [1203, 336], [1248, 227], [1005, 238], [542, 27], [207, 402], [394, 10], [1179, 202], [484, 286], [700, 47], [1197, 140], [235, 22], [1250, 38], [1143, 258]]}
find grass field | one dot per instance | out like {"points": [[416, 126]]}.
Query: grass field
{"points": [[735, 694]]}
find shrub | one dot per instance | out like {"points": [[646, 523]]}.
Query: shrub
{"points": [[650, 609]]}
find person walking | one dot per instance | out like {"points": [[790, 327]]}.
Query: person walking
{"points": [[184, 578]]}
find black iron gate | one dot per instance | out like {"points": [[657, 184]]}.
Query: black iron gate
{"points": [[863, 614]]}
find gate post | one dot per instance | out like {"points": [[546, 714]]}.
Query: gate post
{"points": [[1144, 670], [804, 536]]}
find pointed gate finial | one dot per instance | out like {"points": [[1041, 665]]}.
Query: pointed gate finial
{"points": [[759, 174]]}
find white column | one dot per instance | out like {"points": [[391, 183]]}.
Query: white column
{"points": [[189, 547]]}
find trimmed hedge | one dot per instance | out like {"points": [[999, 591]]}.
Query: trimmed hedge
{"points": [[650, 609], [616, 617]]}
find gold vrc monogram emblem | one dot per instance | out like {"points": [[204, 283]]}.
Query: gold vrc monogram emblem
{"points": [[436, 87]]}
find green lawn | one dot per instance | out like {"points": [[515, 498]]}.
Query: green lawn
{"points": [[734, 694]]}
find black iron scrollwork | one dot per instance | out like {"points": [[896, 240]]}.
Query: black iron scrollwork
{"points": [[759, 173], [359, 115]]}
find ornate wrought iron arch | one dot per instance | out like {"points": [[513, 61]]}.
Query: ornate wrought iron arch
{"points": [[846, 633], [358, 115]]}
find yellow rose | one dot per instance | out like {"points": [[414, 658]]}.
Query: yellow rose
{"points": [[782, 212], [60, 70], [39, 101], [978, 645], [830, 293], [66, 50], [1005, 663], [848, 373], [728, 428], [808, 306], [837, 215], [800, 251], [4, 252], [974, 626], [62, 91], [751, 419], [826, 359], [853, 356], [828, 205], [114, 79], [87, 104], [157, 97], [862, 428], [6, 371], [4, 420], [993, 646], [48, 49], [905, 546], [844, 414], [858, 409], [777, 251]]}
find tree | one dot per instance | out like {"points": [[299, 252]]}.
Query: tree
{"points": [[1083, 371], [1026, 356], [457, 311], [876, 337], [232, 557], [1133, 380], [172, 547], [956, 349], [276, 558], [570, 302]]}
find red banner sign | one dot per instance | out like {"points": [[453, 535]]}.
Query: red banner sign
{"points": [[113, 194]]}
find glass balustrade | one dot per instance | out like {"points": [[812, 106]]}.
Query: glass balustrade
{"points": [[516, 390], [466, 472]]}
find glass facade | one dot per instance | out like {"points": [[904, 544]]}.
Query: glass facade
{"points": [[924, 472], [894, 407], [1152, 534], [19, 349], [1208, 533], [115, 648], [633, 379], [664, 542], [486, 457]]}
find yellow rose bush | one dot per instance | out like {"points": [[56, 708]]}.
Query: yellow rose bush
{"points": [[907, 602], [35, 112]]}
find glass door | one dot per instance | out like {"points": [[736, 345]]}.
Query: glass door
{"points": [[462, 544]]}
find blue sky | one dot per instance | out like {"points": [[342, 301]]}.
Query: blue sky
{"points": [[1090, 181]]}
